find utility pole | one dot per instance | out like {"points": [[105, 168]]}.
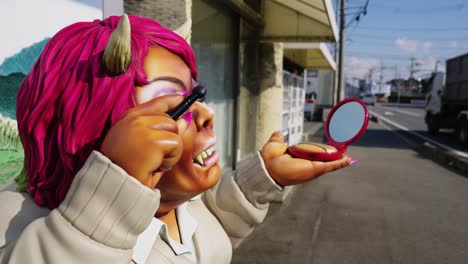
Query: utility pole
{"points": [[369, 88], [341, 82], [412, 64], [412, 71], [397, 83], [381, 76], [337, 58]]}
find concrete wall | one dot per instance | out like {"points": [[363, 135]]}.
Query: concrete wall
{"points": [[264, 104], [247, 99], [271, 93], [170, 13]]}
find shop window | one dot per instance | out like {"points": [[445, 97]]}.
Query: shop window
{"points": [[215, 42]]}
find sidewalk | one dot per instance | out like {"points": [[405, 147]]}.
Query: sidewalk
{"points": [[269, 238], [273, 237], [312, 128]]}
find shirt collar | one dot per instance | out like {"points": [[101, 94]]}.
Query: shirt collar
{"points": [[187, 226]]}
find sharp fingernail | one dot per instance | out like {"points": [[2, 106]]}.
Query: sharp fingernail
{"points": [[352, 161]]}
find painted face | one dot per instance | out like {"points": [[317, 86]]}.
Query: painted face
{"points": [[168, 74]]}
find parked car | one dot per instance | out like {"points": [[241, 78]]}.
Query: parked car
{"points": [[369, 99]]}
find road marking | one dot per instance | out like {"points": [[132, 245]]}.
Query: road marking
{"points": [[389, 113], [403, 111], [405, 139], [445, 147]]}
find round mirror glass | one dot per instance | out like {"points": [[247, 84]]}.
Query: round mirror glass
{"points": [[347, 121]]}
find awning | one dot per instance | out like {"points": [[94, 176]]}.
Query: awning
{"points": [[310, 55], [299, 21]]}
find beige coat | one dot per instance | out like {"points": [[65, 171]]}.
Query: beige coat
{"points": [[105, 210]]}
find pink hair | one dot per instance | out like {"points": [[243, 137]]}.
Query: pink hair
{"points": [[68, 101]]}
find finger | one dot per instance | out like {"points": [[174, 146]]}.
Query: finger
{"points": [[160, 104], [336, 164], [153, 179], [277, 135], [302, 170], [158, 121], [170, 146], [273, 149], [277, 140]]}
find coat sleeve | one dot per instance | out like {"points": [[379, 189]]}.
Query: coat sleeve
{"points": [[98, 222], [240, 200]]}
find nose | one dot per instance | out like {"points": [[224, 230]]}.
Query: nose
{"points": [[203, 115]]}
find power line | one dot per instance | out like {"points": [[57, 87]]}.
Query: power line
{"points": [[416, 29], [386, 36], [389, 55], [422, 9], [358, 14], [382, 58], [428, 45], [353, 7], [449, 44], [354, 13], [398, 11]]}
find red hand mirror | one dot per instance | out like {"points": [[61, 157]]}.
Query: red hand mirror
{"points": [[346, 122]]}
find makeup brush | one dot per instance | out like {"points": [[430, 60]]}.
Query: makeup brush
{"points": [[198, 93]]}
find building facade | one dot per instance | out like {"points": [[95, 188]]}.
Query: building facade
{"points": [[240, 47]]}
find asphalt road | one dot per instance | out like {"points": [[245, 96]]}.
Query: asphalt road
{"points": [[412, 118], [393, 206]]}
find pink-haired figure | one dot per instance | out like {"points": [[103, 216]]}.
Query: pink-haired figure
{"points": [[110, 177], [69, 101]]}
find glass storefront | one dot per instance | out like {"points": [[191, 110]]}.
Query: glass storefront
{"points": [[249, 83], [215, 32]]}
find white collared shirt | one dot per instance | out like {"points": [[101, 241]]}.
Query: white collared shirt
{"points": [[187, 226]]}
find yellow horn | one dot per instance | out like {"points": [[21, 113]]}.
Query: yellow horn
{"points": [[118, 54], [185, 30]]}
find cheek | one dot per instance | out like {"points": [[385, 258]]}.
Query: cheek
{"points": [[188, 140]]}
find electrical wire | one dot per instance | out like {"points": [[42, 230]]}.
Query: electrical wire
{"points": [[422, 9], [358, 14], [387, 55], [416, 29], [419, 43], [387, 36]]}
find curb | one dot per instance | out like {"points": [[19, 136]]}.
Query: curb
{"points": [[430, 151], [443, 157]]}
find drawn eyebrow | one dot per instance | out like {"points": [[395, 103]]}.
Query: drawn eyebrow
{"points": [[170, 79]]}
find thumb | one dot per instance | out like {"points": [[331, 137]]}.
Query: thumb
{"points": [[184, 122]]}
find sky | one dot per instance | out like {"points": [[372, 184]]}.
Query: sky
{"points": [[45, 17], [392, 32]]}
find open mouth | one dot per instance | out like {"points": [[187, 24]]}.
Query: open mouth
{"points": [[201, 159]]}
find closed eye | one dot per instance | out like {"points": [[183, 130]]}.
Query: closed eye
{"points": [[161, 88]]}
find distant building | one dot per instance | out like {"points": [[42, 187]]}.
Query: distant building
{"points": [[352, 91]]}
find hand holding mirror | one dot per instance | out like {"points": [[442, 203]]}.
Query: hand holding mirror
{"points": [[346, 122]]}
